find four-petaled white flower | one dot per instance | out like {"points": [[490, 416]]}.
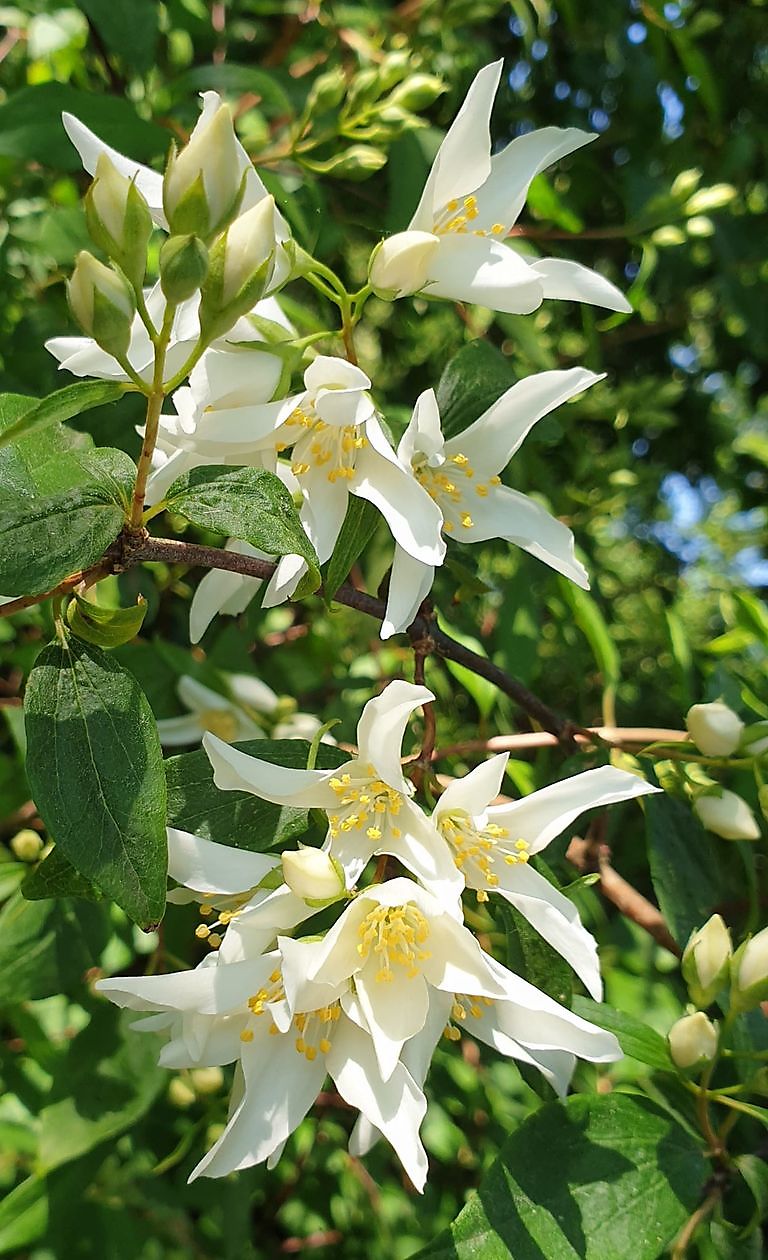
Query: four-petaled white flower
{"points": [[492, 844], [454, 246], [209, 710], [462, 477], [368, 800]]}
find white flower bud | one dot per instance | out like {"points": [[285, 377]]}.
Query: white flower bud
{"points": [[240, 268], [119, 219], [714, 728], [400, 264], [706, 960], [204, 183], [750, 967], [313, 875], [727, 815], [692, 1040], [102, 303]]}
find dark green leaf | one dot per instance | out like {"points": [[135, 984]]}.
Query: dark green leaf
{"points": [[471, 382], [684, 865], [359, 523], [247, 503], [46, 948], [56, 877], [31, 127], [78, 512], [754, 1170], [62, 405], [105, 627], [531, 956], [731, 1244], [635, 1038], [23, 1215], [96, 773], [129, 28], [238, 818], [596, 1178]]}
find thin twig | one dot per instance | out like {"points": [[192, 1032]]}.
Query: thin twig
{"points": [[685, 1237], [619, 736]]}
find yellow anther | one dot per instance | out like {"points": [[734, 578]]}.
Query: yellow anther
{"points": [[452, 1033], [214, 940], [202, 931], [466, 520], [298, 470], [494, 481], [482, 895], [324, 1045], [521, 844], [481, 490], [448, 527], [246, 1034], [300, 1045], [459, 459], [206, 910], [498, 229], [311, 1053], [373, 833]]}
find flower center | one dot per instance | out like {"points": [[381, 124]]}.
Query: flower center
{"points": [[219, 722], [476, 849], [272, 991], [331, 447], [315, 1029], [365, 803], [464, 1005], [457, 216], [229, 906], [452, 486], [395, 934]]}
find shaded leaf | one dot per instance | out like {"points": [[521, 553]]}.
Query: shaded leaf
{"points": [[473, 380], [356, 531], [63, 405], [635, 1038]]}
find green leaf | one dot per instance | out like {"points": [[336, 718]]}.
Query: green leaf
{"points": [[129, 29], [96, 773], [247, 503], [754, 1170], [636, 1039], [731, 1243], [593, 626], [238, 818], [46, 948], [684, 865], [56, 877], [105, 1083], [596, 1178], [473, 380], [23, 1214], [532, 956], [356, 532], [31, 127], [63, 405], [105, 627], [79, 509]]}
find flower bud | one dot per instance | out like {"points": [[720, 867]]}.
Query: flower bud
{"points": [[749, 971], [204, 183], [400, 264], [327, 91], [706, 961], [313, 875], [727, 815], [754, 739], [26, 845], [355, 163], [181, 1094], [102, 303], [183, 267], [417, 92], [208, 1080], [118, 219], [692, 1040], [714, 728], [240, 269]]}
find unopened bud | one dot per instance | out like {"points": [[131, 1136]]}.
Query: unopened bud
{"points": [[118, 219], [183, 267], [204, 183], [313, 875], [26, 845], [400, 264], [692, 1040], [714, 728], [417, 92], [102, 303], [207, 1080], [706, 961], [727, 815], [754, 739], [240, 268], [327, 91], [181, 1094], [749, 970], [355, 163]]}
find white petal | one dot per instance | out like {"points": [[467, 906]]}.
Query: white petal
{"points": [[254, 928], [424, 434], [219, 591], [395, 1108], [381, 729], [474, 791], [82, 357], [394, 1011], [175, 732], [503, 194], [424, 852], [327, 371], [495, 437], [463, 160], [203, 990], [555, 918], [413, 517], [540, 817], [198, 697], [555, 1065], [90, 147], [478, 269], [216, 868], [284, 581], [235, 770], [508, 514], [563, 279], [251, 691], [327, 501], [457, 964], [409, 584]]}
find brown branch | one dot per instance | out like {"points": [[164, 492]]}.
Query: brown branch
{"points": [[616, 736], [101, 570]]}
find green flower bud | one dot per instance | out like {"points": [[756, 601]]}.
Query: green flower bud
{"points": [[327, 92], [119, 220], [102, 302], [207, 1080], [754, 739], [706, 961], [183, 267], [204, 184], [355, 163], [26, 845], [240, 268], [692, 1041], [180, 1094], [417, 92]]}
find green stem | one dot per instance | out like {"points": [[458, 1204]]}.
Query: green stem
{"points": [[183, 372], [132, 374], [154, 408], [144, 314]]}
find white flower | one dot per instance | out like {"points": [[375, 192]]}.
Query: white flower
{"points": [[367, 799], [714, 728], [461, 476], [454, 246], [727, 815], [221, 592], [492, 844], [413, 966], [211, 711], [692, 1040]]}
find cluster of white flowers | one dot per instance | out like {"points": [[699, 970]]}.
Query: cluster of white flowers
{"points": [[366, 999]]}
